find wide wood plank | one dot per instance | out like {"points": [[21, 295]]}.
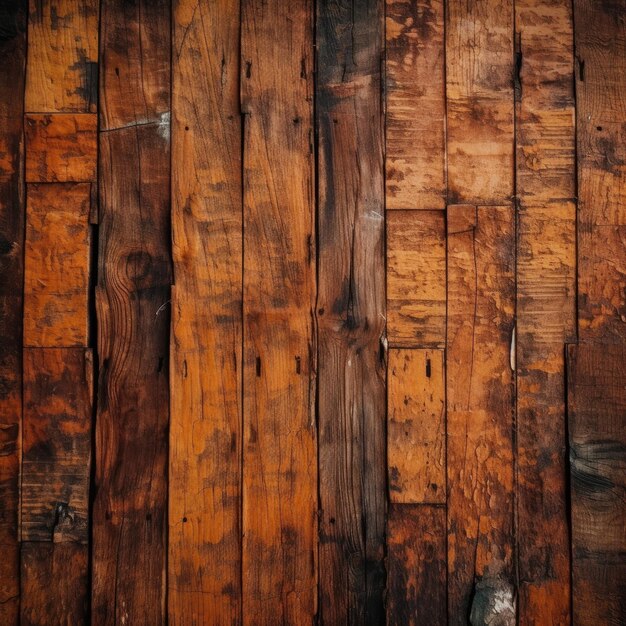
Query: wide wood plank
{"points": [[416, 434], [479, 88], [62, 56], [204, 565], [351, 312], [279, 445], [416, 278], [415, 155], [416, 562], [481, 292], [12, 71]]}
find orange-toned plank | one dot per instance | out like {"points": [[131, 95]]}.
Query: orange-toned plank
{"points": [[479, 87], [61, 148], [415, 154], [596, 376], [416, 563], [62, 72], [480, 403], [56, 280], [416, 426], [279, 445], [205, 377], [416, 278]]}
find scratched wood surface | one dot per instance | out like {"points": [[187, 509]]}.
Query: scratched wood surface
{"points": [[312, 313]]}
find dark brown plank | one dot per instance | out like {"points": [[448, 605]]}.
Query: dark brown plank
{"points": [[351, 312], [12, 71], [204, 564], [596, 376], [416, 564]]}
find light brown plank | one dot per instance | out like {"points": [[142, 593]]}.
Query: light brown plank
{"points": [[416, 434]]}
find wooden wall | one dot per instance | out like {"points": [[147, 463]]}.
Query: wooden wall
{"points": [[312, 312]]}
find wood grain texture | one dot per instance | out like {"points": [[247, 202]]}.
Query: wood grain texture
{"points": [[596, 376], [279, 446], [415, 155], [351, 312], [479, 88], [416, 278], [416, 560], [204, 565], [56, 281], [601, 140], [480, 397], [62, 73], [416, 430], [12, 71]]}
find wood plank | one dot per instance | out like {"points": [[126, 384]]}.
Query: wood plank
{"points": [[351, 312], [54, 584], [479, 87], [279, 453], [416, 433], [56, 282], [601, 138], [415, 155], [62, 73], [206, 358], [12, 72], [416, 561], [597, 437], [56, 444], [61, 148], [480, 385], [416, 279]]}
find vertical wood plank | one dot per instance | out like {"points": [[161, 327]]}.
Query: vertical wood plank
{"points": [[416, 561], [13, 15], [480, 397], [416, 433], [601, 136], [204, 566], [351, 312], [597, 438], [132, 301], [279, 446], [479, 88], [415, 155]]}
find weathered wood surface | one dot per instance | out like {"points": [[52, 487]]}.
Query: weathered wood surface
{"points": [[12, 70], [351, 312], [204, 565], [416, 561], [416, 433], [480, 403], [596, 376], [415, 155], [416, 278]]}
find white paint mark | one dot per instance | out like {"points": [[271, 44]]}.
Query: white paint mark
{"points": [[512, 353], [164, 125]]}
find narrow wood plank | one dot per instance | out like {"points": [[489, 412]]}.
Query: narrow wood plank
{"points": [[54, 584], [479, 87], [279, 450], [56, 282], [416, 561], [62, 72], [351, 312], [56, 444], [416, 432], [61, 148], [12, 72], [597, 438], [415, 155], [416, 278], [204, 565], [601, 137], [481, 292]]}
